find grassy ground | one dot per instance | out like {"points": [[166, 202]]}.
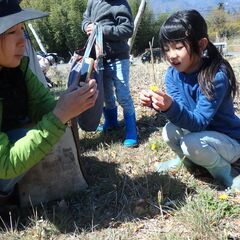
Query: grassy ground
{"points": [[126, 199]]}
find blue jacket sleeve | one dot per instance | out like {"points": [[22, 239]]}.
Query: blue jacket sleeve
{"points": [[205, 110], [172, 88]]}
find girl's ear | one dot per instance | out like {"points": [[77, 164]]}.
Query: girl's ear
{"points": [[202, 43]]}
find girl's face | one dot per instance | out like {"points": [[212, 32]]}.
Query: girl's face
{"points": [[12, 44], [178, 55]]}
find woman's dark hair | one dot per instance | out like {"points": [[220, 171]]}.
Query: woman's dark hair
{"points": [[189, 27]]}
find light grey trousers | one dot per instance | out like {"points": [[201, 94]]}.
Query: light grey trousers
{"points": [[205, 148]]}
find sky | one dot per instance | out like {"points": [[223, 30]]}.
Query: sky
{"points": [[169, 6]]}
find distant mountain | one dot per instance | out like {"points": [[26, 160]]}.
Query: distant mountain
{"points": [[160, 6]]}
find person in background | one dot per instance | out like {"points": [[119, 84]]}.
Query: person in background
{"points": [[31, 121], [45, 61], [115, 18], [203, 128]]}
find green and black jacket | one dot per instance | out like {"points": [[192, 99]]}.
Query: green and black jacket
{"points": [[37, 105]]}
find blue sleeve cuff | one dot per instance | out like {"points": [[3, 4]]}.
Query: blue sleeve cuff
{"points": [[171, 113]]}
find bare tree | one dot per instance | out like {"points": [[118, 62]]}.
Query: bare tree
{"points": [[137, 21]]}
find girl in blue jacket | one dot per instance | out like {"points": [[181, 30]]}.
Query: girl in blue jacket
{"points": [[203, 128]]}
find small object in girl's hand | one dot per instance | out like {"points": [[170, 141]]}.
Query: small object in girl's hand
{"points": [[154, 88]]}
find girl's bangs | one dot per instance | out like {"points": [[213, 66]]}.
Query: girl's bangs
{"points": [[173, 33]]}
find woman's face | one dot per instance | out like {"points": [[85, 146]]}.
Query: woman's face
{"points": [[178, 55], [12, 45]]}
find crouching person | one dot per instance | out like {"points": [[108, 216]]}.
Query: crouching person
{"points": [[31, 121], [203, 128]]}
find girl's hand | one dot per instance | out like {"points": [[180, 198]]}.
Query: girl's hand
{"points": [[76, 100], [145, 98], [160, 100]]}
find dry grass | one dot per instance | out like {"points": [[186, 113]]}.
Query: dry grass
{"points": [[126, 199]]}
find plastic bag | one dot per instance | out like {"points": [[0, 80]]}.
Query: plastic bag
{"points": [[90, 119]]}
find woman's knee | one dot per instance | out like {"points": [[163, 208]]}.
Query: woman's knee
{"points": [[16, 134], [171, 133], [197, 149]]}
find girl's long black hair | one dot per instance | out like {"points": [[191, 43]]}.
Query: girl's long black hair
{"points": [[189, 27]]}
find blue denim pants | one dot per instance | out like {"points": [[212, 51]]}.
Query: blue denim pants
{"points": [[202, 148], [116, 75], [7, 185]]}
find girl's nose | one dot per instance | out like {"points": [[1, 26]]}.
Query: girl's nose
{"points": [[172, 54]]}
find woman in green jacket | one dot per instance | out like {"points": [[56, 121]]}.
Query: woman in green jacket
{"points": [[24, 102]]}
